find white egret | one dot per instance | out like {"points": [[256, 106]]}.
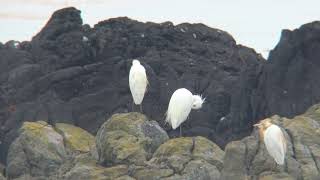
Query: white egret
{"points": [[180, 105], [274, 140], [138, 82]]}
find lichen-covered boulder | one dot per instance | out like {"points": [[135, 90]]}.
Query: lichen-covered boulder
{"points": [[38, 151], [235, 161], [150, 173], [84, 167], [75, 138], [200, 170], [278, 176], [188, 158], [305, 135], [128, 138]]}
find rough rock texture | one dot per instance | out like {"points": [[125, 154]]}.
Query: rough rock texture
{"points": [[127, 150], [249, 159], [289, 84], [72, 73], [84, 167], [75, 138], [38, 151], [41, 149], [189, 158], [128, 139], [144, 152]]}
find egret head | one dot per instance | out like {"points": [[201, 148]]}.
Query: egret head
{"points": [[264, 124], [197, 101], [135, 62]]}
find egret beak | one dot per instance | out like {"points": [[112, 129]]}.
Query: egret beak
{"points": [[257, 125]]}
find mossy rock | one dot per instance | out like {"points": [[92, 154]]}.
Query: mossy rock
{"points": [[125, 178], [75, 138], [306, 128], [128, 138], [303, 151], [85, 167], [176, 153], [314, 112], [150, 173], [277, 176], [92, 172], [120, 147], [235, 161], [38, 151], [200, 170], [305, 135]]}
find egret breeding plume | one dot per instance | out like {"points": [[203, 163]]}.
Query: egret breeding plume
{"points": [[274, 140], [138, 82], [180, 105]]}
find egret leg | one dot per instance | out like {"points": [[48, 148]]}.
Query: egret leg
{"points": [[274, 168], [181, 130], [286, 166], [132, 107], [141, 108]]}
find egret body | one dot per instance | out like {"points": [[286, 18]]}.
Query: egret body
{"points": [[138, 82], [180, 105], [274, 140]]}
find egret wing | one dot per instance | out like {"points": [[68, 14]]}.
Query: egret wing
{"points": [[179, 108], [138, 83], [275, 143]]}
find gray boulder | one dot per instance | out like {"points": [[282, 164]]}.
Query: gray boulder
{"points": [[187, 158], [38, 151], [128, 139], [41, 150], [249, 159]]}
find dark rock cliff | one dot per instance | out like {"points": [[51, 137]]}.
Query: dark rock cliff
{"points": [[290, 81]]}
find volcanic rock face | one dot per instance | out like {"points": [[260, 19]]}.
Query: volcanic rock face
{"points": [[75, 74], [290, 83]]}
